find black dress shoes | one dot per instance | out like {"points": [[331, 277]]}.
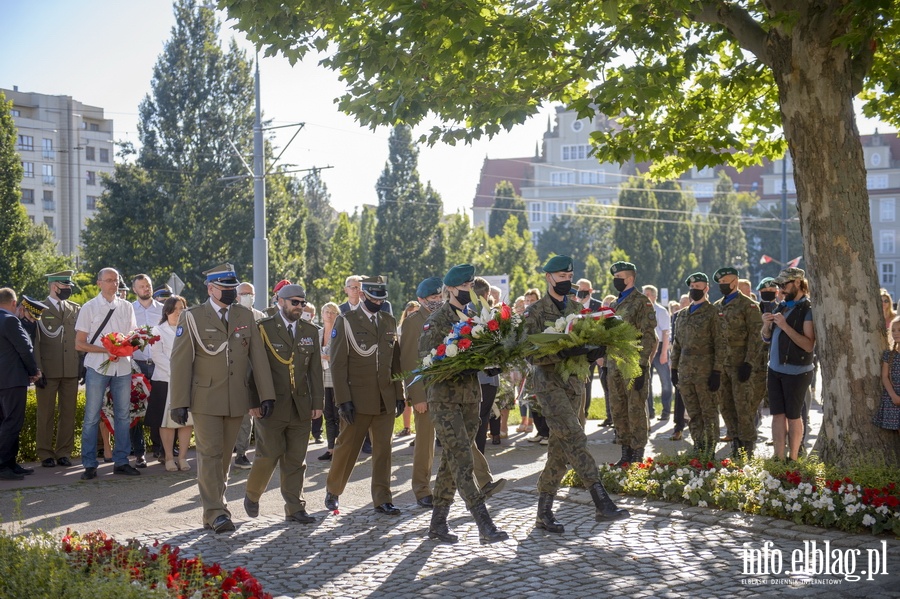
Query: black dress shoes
{"points": [[140, 462], [426, 502], [64, 462], [127, 470], [388, 509], [251, 507], [89, 473], [48, 463], [19, 469], [221, 524], [325, 457], [300, 517], [331, 501], [8, 474]]}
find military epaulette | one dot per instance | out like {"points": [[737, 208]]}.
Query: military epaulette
{"points": [[266, 319], [192, 308], [240, 306]]}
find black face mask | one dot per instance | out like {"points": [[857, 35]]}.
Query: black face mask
{"points": [[64, 293], [562, 288], [697, 294], [767, 296], [463, 297], [620, 285], [725, 288], [371, 306], [228, 296], [582, 293]]}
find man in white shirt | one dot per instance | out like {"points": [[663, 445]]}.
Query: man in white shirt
{"points": [[147, 311], [105, 314], [661, 360]]}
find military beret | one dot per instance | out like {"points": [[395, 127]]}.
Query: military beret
{"points": [[559, 264], [459, 274], [64, 277], [374, 287], [429, 286], [697, 277], [291, 291], [724, 272], [620, 266], [766, 283], [222, 275], [279, 285], [790, 274]]}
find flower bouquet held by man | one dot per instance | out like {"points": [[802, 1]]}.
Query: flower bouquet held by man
{"points": [[121, 345]]}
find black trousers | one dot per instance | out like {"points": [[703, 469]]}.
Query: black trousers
{"points": [[679, 411], [12, 417], [488, 394], [332, 419], [604, 374]]}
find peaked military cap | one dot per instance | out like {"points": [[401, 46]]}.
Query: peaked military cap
{"points": [[559, 264], [766, 283], [459, 274], [291, 291], [162, 293], [374, 287], [429, 286], [222, 275], [64, 277], [33, 306], [697, 277], [122, 285], [620, 266], [790, 274], [724, 272]]}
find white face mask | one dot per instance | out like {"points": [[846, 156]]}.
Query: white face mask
{"points": [[307, 316], [246, 300]]}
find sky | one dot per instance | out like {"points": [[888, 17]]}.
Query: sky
{"points": [[102, 53]]}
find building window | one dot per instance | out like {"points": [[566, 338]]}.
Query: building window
{"points": [[887, 242], [552, 209], [48, 220], [104, 155], [577, 126], [28, 167], [92, 202], [562, 178], [887, 210], [575, 152], [535, 215], [47, 148], [47, 172], [875, 159], [26, 143], [91, 178], [877, 181], [28, 196], [93, 127], [887, 274], [48, 202], [593, 177], [703, 190], [15, 112], [89, 153]]}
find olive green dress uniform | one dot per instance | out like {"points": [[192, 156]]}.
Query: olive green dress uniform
{"points": [[739, 326], [423, 451], [215, 388], [57, 359], [697, 351], [366, 381], [453, 407], [629, 406], [282, 438], [561, 402]]}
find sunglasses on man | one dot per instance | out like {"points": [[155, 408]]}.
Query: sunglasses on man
{"points": [[296, 302]]}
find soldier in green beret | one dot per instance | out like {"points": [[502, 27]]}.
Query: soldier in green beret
{"points": [[697, 363], [562, 403], [740, 327], [629, 405]]}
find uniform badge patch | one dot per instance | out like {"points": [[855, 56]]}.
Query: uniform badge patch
{"points": [[179, 331], [333, 333], [306, 340], [426, 327]]}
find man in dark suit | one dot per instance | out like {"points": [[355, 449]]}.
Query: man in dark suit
{"points": [[17, 369], [364, 356]]}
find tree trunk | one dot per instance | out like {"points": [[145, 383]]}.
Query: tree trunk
{"points": [[813, 78]]}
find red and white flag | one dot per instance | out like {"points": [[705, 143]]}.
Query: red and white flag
{"points": [[765, 259], [795, 262]]}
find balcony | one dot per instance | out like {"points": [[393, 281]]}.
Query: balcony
{"points": [[49, 205], [49, 154], [49, 180]]}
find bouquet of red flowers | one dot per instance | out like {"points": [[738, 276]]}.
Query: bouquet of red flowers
{"points": [[123, 345], [140, 393]]}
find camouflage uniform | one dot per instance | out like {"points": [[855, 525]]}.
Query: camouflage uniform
{"points": [[697, 351], [739, 326], [561, 402], [629, 406], [453, 407]]}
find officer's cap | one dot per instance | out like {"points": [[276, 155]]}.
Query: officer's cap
{"points": [[33, 306], [790, 274], [64, 277], [765, 284], [724, 272], [622, 266], [697, 277], [374, 287], [459, 274], [162, 293], [429, 286], [291, 291], [222, 275], [559, 264], [122, 285]]}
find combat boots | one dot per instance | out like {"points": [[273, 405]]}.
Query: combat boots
{"points": [[749, 446], [637, 455], [626, 457], [606, 509], [545, 517], [487, 532], [438, 528], [736, 448]]}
